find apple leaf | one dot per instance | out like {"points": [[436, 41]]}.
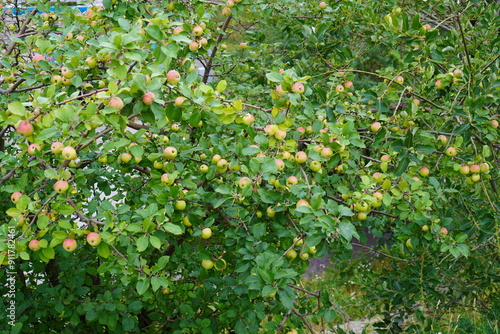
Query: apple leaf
{"points": [[173, 228], [142, 243], [17, 108], [347, 230], [142, 286], [155, 242], [274, 77], [103, 250]]}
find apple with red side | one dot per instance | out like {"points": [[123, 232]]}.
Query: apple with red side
{"points": [[33, 148], [301, 157], [148, 98], [375, 126], [451, 151], [25, 128], [116, 103], [424, 171], [170, 153], [61, 186], [298, 88], [69, 244], [173, 77], [34, 245], [56, 147], [93, 239], [15, 197]]}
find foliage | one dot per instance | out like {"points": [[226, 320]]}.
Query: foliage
{"points": [[379, 133]]}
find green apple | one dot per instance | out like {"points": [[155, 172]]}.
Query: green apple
{"points": [[206, 233], [204, 169], [103, 159], [33, 148], [451, 151], [304, 256], [315, 166], [165, 179], [207, 264], [170, 153], [248, 119], [125, 157], [270, 212], [180, 205], [67, 73], [424, 171], [301, 157], [291, 254], [179, 100]]}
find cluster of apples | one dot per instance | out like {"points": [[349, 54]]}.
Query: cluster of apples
{"points": [[69, 244]]}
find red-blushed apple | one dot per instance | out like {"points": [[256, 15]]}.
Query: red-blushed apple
{"points": [[37, 57], [451, 151], [14, 198], [93, 239], [69, 244], [375, 126], [291, 254], [177, 31], [322, 5], [385, 158], [464, 170], [280, 164], [206, 233], [175, 127], [443, 140], [173, 77], [271, 129], [203, 42], [179, 100], [424, 171], [244, 182], [197, 31], [226, 11], [33, 148], [362, 215], [243, 46], [302, 202], [291, 180], [194, 46], [280, 135], [165, 179], [222, 164], [170, 153], [339, 89], [216, 158], [248, 119], [315, 166], [230, 3], [484, 167], [25, 128], [34, 245], [427, 27], [279, 90], [69, 153], [56, 79], [425, 228], [61, 186], [180, 205], [207, 264], [399, 79], [125, 157], [301, 157], [443, 231], [348, 84], [116, 103], [301, 130], [148, 98], [438, 84], [494, 123], [298, 88], [475, 169], [326, 152]]}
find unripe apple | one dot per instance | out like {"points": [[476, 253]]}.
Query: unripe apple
{"points": [[424, 171], [475, 169], [279, 90], [302, 202], [230, 3], [362, 216], [301, 157], [179, 100], [67, 73], [443, 139], [56, 79], [451, 151], [206, 233], [66, 81], [484, 167], [166, 180], [443, 231], [270, 129], [170, 153], [25, 128], [197, 31], [116, 103], [61, 186], [177, 31], [425, 228], [427, 27], [148, 98], [34, 245], [270, 212], [207, 264], [37, 57], [226, 11], [280, 134], [399, 79], [33, 148], [69, 244], [243, 46], [322, 5], [464, 170], [298, 88], [15, 197], [186, 222], [248, 119], [93, 239], [216, 158], [204, 169], [475, 177], [291, 254], [361, 206], [69, 36], [339, 88], [180, 205], [175, 127], [222, 164], [125, 157], [203, 42], [315, 166], [494, 123], [194, 46], [173, 77], [103, 159], [291, 180], [375, 126]]}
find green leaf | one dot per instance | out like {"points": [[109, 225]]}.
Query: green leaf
{"points": [[142, 243], [142, 286], [103, 250], [347, 230], [173, 228], [221, 86], [154, 32], [274, 77], [17, 108], [155, 242]]}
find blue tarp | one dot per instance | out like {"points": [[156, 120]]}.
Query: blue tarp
{"points": [[25, 10]]}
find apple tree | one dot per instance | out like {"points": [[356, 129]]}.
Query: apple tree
{"points": [[174, 166]]}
